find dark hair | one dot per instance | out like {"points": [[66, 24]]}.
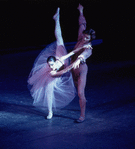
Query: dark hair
{"points": [[90, 32], [51, 58]]}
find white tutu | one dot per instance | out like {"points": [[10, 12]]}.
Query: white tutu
{"points": [[60, 91]]}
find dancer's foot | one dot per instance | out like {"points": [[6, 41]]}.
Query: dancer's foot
{"points": [[80, 120], [56, 14], [50, 115], [80, 8]]}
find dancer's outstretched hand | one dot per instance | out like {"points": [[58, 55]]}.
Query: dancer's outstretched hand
{"points": [[87, 46], [76, 64]]}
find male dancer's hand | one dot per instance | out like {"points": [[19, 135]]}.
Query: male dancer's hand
{"points": [[87, 46]]}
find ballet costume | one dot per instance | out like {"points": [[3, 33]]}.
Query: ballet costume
{"points": [[50, 92]]}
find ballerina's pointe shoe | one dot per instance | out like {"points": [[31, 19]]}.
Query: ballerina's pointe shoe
{"points": [[56, 14], [50, 115]]}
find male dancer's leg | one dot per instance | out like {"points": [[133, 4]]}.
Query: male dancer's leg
{"points": [[81, 94], [82, 22]]}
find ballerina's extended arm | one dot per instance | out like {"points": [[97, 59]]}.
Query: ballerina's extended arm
{"points": [[59, 73], [75, 51], [55, 72], [68, 68]]}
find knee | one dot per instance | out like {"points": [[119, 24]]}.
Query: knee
{"points": [[81, 95]]}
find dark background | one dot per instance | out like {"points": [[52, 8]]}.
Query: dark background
{"points": [[29, 23], [25, 28]]}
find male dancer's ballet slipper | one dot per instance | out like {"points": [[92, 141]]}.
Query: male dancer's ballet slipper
{"points": [[80, 120]]}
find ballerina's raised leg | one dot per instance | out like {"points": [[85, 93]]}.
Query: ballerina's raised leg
{"points": [[58, 33], [59, 41]]}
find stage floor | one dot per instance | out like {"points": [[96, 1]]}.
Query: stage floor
{"points": [[110, 114]]}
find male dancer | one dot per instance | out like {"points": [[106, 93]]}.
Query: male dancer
{"points": [[80, 68]]}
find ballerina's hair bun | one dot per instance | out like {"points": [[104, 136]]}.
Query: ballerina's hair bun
{"points": [[51, 58], [90, 32]]}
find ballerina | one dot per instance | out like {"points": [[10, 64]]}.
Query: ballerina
{"points": [[79, 68], [48, 90]]}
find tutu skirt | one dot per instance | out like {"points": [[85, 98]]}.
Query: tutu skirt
{"points": [[45, 89]]}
